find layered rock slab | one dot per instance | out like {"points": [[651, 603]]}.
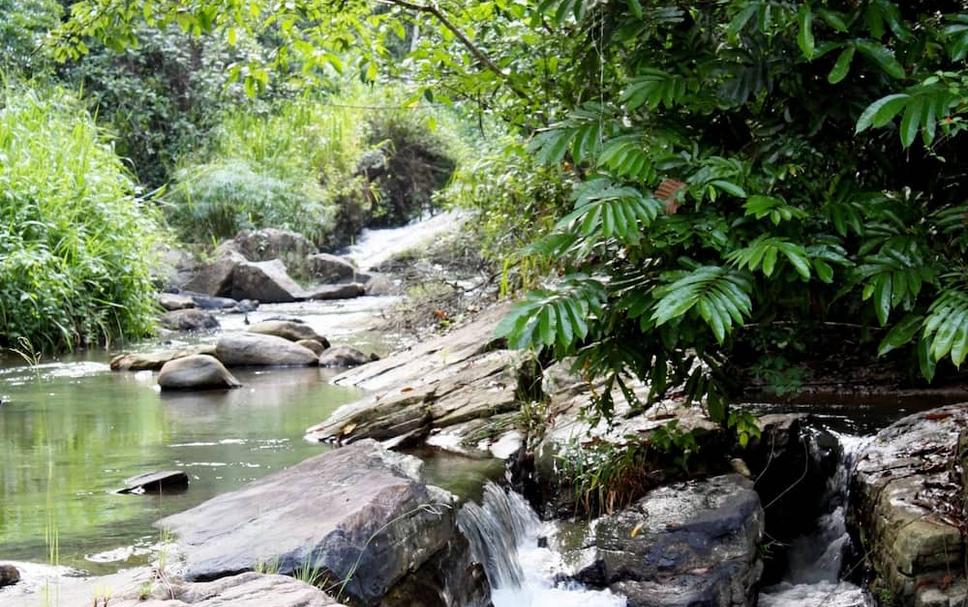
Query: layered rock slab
{"points": [[908, 498]]}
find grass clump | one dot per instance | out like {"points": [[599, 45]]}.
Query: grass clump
{"points": [[74, 243]]}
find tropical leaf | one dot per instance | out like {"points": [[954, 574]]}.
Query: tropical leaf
{"points": [[720, 296]]}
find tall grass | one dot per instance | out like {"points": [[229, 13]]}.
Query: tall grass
{"points": [[74, 242]]}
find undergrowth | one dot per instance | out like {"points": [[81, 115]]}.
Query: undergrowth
{"points": [[74, 242]]}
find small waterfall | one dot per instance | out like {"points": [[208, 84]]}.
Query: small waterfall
{"points": [[504, 536], [377, 246], [815, 560]]}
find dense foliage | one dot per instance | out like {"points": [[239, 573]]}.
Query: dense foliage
{"points": [[74, 243], [743, 170]]}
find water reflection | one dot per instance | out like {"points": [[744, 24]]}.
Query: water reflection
{"points": [[71, 432]]}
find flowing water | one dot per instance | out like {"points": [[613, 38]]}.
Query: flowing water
{"points": [[505, 535], [377, 246], [816, 560]]}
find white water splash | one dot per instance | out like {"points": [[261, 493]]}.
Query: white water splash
{"points": [[377, 246], [816, 559], [503, 534]]}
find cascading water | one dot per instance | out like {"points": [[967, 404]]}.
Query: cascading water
{"points": [[815, 560], [504, 536]]}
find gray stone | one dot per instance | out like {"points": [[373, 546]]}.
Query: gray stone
{"points": [[271, 243], [381, 285], [211, 302], [331, 268], [173, 267], [689, 544], [341, 291], [175, 301], [154, 361], [293, 331], [9, 575], [345, 356], [252, 349], [215, 278], [357, 513], [156, 482], [243, 590], [311, 344], [189, 320], [907, 499], [195, 372], [265, 281]]}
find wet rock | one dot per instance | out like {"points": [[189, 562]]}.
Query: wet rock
{"points": [[688, 544], [345, 356], [210, 302], [314, 345], [265, 281], [189, 320], [195, 372], [342, 291], [330, 268], [908, 499], [252, 349], [156, 482], [357, 513], [174, 301], [154, 361], [215, 278], [293, 331], [9, 575], [271, 243]]}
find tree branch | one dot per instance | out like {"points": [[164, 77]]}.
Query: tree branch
{"points": [[480, 55]]}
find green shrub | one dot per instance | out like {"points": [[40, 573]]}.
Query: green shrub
{"points": [[324, 168], [74, 243]]}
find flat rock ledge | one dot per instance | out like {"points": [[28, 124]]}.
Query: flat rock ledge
{"points": [[908, 497], [359, 515]]}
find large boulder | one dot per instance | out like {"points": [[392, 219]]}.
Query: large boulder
{"points": [[9, 575], [328, 268], [173, 267], [265, 281], [252, 349], [271, 243], [345, 356], [215, 278], [287, 329], [908, 498], [195, 372], [358, 515], [189, 320], [317, 347], [692, 544]]}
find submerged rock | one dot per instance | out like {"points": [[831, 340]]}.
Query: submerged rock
{"points": [[253, 349], [265, 281], [345, 356], [908, 499], [331, 268], [9, 575], [690, 544], [287, 329], [189, 320], [359, 514], [195, 372], [156, 482]]}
